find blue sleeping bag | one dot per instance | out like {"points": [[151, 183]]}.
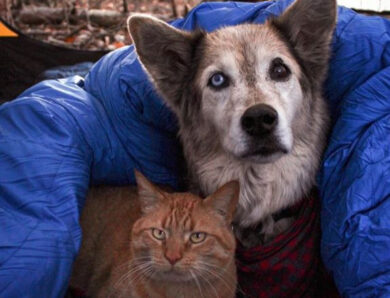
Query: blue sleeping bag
{"points": [[58, 137]]}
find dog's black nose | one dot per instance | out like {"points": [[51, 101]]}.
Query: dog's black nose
{"points": [[259, 120]]}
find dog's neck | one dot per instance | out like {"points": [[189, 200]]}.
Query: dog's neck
{"points": [[265, 189], [268, 228]]}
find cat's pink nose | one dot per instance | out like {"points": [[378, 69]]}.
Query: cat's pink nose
{"points": [[173, 257]]}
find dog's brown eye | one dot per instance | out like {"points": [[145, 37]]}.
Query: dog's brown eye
{"points": [[279, 71], [218, 81]]}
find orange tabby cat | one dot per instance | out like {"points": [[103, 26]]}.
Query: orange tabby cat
{"points": [[157, 244]]}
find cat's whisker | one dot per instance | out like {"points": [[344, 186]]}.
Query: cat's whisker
{"points": [[217, 270], [133, 275], [130, 278], [197, 282], [131, 263], [121, 266], [217, 275], [210, 284], [132, 270], [149, 272], [136, 269], [141, 258], [210, 274], [139, 269], [138, 276]]}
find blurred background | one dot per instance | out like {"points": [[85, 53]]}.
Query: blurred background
{"points": [[100, 24], [85, 24]]}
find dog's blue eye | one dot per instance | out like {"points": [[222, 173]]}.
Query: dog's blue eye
{"points": [[218, 81]]}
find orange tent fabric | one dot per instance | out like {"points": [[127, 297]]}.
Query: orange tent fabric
{"points": [[6, 32]]}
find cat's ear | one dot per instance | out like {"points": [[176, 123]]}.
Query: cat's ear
{"points": [[149, 195], [225, 200]]}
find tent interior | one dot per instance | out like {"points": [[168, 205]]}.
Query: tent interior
{"points": [[23, 61]]}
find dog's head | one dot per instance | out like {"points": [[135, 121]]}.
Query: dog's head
{"points": [[253, 84]]}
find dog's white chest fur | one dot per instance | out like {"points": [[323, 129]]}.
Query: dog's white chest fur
{"points": [[264, 188]]}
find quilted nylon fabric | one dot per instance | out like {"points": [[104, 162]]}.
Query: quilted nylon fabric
{"points": [[355, 175], [59, 136]]}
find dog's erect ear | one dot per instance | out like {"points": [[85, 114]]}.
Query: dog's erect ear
{"points": [[308, 26], [149, 195], [165, 52], [225, 200]]}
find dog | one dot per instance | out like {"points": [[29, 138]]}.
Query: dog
{"points": [[249, 103]]}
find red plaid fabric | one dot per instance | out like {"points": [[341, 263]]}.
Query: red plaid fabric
{"points": [[75, 293], [290, 265]]}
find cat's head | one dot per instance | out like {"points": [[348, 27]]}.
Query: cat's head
{"points": [[180, 236]]}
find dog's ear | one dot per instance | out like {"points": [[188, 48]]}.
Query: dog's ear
{"points": [[308, 26], [165, 52]]}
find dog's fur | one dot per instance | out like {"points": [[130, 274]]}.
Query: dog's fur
{"points": [[216, 147]]}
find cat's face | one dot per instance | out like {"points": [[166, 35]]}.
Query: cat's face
{"points": [[182, 237]]}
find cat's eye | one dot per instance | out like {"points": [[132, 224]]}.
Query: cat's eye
{"points": [[158, 234], [197, 237], [278, 70], [218, 81]]}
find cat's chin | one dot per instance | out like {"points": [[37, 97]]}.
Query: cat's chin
{"points": [[173, 276]]}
